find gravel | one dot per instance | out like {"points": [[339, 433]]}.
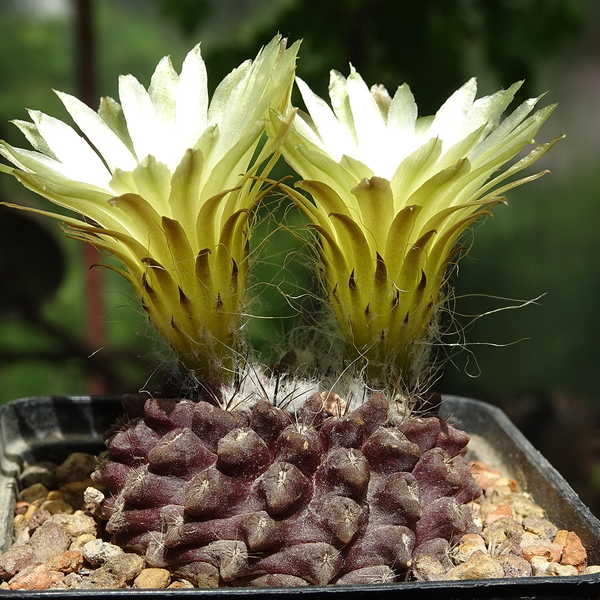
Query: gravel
{"points": [[58, 542]]}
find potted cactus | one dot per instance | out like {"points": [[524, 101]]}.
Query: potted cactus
{"points": [[238, 474]]}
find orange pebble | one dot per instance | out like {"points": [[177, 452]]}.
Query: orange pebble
{"points": [[551, 552], [501, 512], [574, 553]]}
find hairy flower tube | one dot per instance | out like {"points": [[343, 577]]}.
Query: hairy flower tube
{"points": [[165, 182], [391, 195]]}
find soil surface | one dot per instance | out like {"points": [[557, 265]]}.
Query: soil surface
{"points": [[59, 543]]}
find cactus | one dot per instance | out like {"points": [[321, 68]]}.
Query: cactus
{"points": [[261, 495], [224, 483]]}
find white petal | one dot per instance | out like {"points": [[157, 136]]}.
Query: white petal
{"points": [[30, 161], [112, 149], [163, 93], [505, 127], [402, 118], [30, 131], [192, 100], [490, 108], [77, 156], [40, 164], [368, 122], [304, 126], [338, 92], [334, 138], [139, 114], [449, 122], [222, 94], [403, 111]]}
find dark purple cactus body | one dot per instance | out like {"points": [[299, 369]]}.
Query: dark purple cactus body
{"points": [[261, 496]]}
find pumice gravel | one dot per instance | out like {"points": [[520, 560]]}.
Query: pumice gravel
{"points": [[60, 543]]}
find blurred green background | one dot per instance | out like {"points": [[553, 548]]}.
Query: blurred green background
{"points": [[539, 362]]}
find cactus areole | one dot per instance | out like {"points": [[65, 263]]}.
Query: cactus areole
{"points": [[243, 475]]}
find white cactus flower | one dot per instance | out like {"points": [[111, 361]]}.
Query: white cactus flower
{"points": [[165, 181]]}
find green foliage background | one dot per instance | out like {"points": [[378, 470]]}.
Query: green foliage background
{"points": [[544, 242]]}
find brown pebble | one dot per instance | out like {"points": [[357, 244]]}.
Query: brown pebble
{"points": [[539, 566], [469, 544], [35, 577], [72, 581], [42, 472], [126, 566], [102, 579], [54, 495], [540, 527], [484, 476], [38, 518], [561, 537], [34, 492], [72, 493], [67, 562], [21, 507], [20, 530], [573, 552], [49, 540], [77, 467], [502, 531], [524, 507], [479, 566], [15, 559], [427, 568], [152, 578], [514, 566]]}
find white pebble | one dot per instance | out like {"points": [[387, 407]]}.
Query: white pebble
{"points": [[92, 497], [97, 552]]}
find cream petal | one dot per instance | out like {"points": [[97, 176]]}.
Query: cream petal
{"points": [[139, 114], [221, 112], [402, 118], [163, 93], [79, 159], [305, 127], [31, 133], [505, 127], [369, 125], [113, 150], [490, 108], [450, 118], [338, 92], [403, 112], [192, 100], [334, 138], [111, 112], [30, 161], [223, 92]]}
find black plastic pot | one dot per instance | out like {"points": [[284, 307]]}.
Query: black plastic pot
{"points": [[49, 428]]}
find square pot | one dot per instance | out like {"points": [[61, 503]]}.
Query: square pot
{"points": [[49, 428]]}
